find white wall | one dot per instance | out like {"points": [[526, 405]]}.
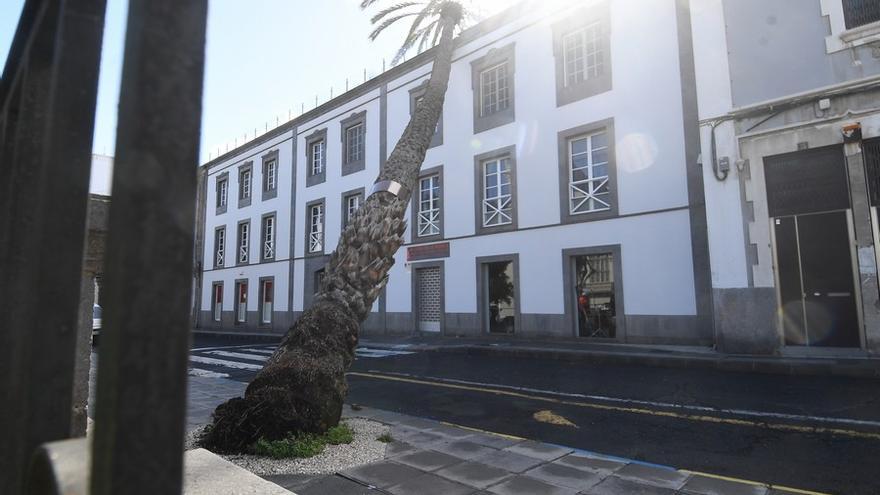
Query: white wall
{"points": [[101, 178]]}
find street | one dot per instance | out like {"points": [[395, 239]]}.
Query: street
{"points": [[813, 433]]}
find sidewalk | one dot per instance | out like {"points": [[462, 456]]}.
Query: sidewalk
{"points": [[428, 457], [632, 354]]}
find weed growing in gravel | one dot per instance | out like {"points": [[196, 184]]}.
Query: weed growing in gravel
{"points": [[341, 433], [385, 438], [303, 445]]}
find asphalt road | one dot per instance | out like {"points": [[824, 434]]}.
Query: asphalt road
{"points": [[812, 433]]}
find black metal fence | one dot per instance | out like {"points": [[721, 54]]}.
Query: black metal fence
{"points": [[860, 12], [47, 108]]}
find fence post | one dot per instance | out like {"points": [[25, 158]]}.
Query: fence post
{"points": [[142, 368]]}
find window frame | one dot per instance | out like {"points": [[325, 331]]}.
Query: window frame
{"points": [[274, 217], [482, 303], [237, 300], [353, 166], [247, 241], [319, 135], [568, 257], [246, 168], [270, 189], [358, 192], [508, 152], [308, 227], [583, 19], [262, 299], [217, 316], [221, 193], [563, 139], [218, 232], [415, 238], [414, 95], [493, 58]]}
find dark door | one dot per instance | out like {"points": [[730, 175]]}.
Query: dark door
{"points": [[808, 199]]}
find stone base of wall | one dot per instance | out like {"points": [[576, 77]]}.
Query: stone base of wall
{"points": [[745, 320]]}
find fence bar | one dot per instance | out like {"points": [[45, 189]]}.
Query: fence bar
{"points": [[48, 104], [142, 371]]}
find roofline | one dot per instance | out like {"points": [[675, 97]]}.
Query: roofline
{"points": [[482, 28]]}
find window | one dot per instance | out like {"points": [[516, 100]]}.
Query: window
{"points": [[498, 291], [860, 12], [583, 59], [270, 175], [428, 223], [351, 203], [243, 234], [316, 228], [267, 294], [588, 174], [587, 179], [217, 301], [267, 251], [316, 157], [222, 192], [494, 91], [241, 301], [497, 193], [354, 134], [219, 247], [493, 88], [594, 295], [319, 279]]}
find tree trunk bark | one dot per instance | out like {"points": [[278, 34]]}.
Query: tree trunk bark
{"points": [[302, 387]]}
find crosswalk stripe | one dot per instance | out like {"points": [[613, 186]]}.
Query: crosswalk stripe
{"points": [[240, 355], [229, 364], [261, 351], [207, 373]]}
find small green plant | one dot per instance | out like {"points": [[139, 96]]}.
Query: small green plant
{"points": [[302, 446], [339, 434], [385, 438]]}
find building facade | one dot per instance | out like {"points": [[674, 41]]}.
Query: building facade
{"points": [[569, 190]]}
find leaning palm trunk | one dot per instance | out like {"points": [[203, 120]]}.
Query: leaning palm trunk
{"points": [[302, 387]]}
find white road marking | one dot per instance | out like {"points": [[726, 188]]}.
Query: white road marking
{"points": [[207, 373], [229, 364], [262, 351], [221, 347], [702, 409], [367, 352], [240, 355]]}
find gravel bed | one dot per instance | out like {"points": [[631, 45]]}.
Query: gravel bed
{"points": [[364, 449]]}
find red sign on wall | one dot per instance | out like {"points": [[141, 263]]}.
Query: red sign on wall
{"points": [[427, 251]]}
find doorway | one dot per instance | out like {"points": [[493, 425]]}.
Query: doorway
{"points": [[500, 310], [812, 236], [594, 298], [429, 298]]}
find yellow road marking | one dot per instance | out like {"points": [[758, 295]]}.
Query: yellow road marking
{"points": [[633, 410], [754, 483]]}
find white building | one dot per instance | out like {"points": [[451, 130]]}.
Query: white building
{"points": [[564, 193]]}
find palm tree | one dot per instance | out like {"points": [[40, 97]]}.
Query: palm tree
{"points": [[302, 387]]}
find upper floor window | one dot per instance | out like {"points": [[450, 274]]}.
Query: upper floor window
{"points": [[219, 247], [354, 136], [243, 242], [860, 12], [222, 192], [588, 173], [245, 180], [316, 157], [270, 175], [581, 48], [316, 228], [268, 238], [497, 193], [493, 87], [428, 223]]}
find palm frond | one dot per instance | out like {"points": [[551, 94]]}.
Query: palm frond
{"points": [[387, 22], [394, 8], [421, 35], [425, 37]]}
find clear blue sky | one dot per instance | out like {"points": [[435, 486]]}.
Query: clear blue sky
{"points": [[264, 58]]}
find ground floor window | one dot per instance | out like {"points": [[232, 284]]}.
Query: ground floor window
{"points": [[217, 302], [500, 296], [594, 295], [240, 302], [266, 298]]}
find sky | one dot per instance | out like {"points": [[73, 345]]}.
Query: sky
{"points": [[265, 60]]}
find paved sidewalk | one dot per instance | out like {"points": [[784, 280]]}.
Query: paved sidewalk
{"points": [[857, 365], [428, 457]]}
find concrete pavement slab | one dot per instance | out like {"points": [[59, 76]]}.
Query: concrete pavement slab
{"points": [[509, 461], [449, 431], [427, 460], [430, 484], [590, 463], [473, 474], [558, 474], [539, 450], [650, 475], [704, 485], [383, 474], [463, 449], [523, 485], [613, 485], [494, 441], [397, 448], [335, 485]]}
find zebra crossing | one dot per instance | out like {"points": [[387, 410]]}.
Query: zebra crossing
{"points": [[238, 362]]}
